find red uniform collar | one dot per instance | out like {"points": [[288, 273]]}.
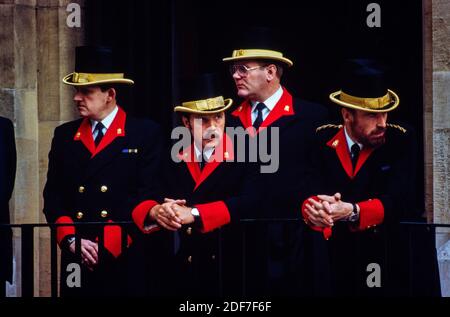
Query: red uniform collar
{"points": [[116, 129], [222, 153], [339, 143], [284, 107]]}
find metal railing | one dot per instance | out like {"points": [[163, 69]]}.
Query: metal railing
{"points": [[28, 242], [27, 250]]}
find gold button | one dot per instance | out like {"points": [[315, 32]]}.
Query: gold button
{"points": [[189, 231], [104, 189], [189, 259], [81, 189], [104, 214], [80, 215]]}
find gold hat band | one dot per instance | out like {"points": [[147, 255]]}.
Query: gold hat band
{"points": [[89, 77], [243, 54], [206, 104], [370, 103], [256, 52]]}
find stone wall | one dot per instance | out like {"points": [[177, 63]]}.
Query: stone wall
{"points": [[441, 132], [36, 51]]}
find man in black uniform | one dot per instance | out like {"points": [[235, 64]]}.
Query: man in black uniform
{"points": [[100, 166], [7, 177], [286, 124], [207, 191], [365, 172]]}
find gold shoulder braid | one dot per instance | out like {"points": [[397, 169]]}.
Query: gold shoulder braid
{"points": [[325, 126], [397, 127]]}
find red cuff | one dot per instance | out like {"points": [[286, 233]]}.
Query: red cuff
{"points": [[113, 239], [63, 231], [213, 215], [371, 213], [326, 231], [140, 213]]}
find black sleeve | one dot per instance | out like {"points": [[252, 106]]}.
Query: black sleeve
{"points": [[148, 182], [150, 166], [399, 199]]}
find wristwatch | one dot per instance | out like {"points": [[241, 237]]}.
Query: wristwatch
{"points": [[195, 213], [354, 216], [197, 219], [70, 240], [67, 241]]}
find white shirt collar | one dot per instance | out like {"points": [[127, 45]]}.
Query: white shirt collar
{"points": [[350, 142], [271, 101], [107, 121], [206, 152]]}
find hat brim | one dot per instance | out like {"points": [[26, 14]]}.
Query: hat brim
{"points": [[334, 97], [228, 103], [285, 60], [125, 81]]}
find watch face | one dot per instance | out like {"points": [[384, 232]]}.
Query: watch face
{"points": [[195, 212], [353, 217]]}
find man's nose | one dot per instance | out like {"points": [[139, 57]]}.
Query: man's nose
{"points": [[77, 96], [382, 120], [211, 129], [236, 75]]}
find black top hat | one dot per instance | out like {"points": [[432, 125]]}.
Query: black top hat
{"points": [[259, 43], [202, 95], [95, 65], [364, 87]]}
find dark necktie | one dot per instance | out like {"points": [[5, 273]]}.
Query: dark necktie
{"points": [[355, 154], [259, 118], [99, 128], [202, 160]]}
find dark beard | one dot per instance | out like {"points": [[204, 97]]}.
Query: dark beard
{"points": [[373, 143]]}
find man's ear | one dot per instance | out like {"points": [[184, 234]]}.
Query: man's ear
{"points": [[111, 94], [185, 121], [271, 72], [346, 115]]}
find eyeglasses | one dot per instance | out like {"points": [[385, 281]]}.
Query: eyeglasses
{"points": [[242, 70]]}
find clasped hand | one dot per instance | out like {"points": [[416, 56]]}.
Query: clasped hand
{"points": [[328, 210], [172, 214]]}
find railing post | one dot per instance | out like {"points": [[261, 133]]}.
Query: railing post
{"points": [[411, 257], [53, 262], [244, 264], [101, 244], [124, 245], [27, 244], [124, 238], [220, 259]]}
